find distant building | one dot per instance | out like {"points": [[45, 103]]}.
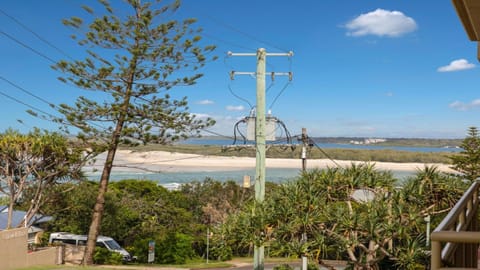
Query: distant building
{"points": [[34, 232], [368, 141]]}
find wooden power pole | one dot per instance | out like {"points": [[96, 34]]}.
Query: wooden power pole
{"points": [[258, 257]]}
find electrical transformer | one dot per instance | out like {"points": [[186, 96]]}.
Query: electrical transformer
{"points": [[270, 127]]}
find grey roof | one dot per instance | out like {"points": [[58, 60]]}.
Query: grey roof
{"points": [[18, 216]]}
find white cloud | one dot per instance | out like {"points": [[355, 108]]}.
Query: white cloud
{"points": [[235, 108], [205, 102], [456, 65], [389, 94], [458, 105], [381, 23]]}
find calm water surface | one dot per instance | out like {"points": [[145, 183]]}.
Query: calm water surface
{"points": [[276, 175]]}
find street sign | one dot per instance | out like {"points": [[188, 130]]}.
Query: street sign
{"points": [[151, 251]]}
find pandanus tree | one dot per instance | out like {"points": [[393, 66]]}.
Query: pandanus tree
{"points": [[358, 213], [32, 164], [135, 53]]}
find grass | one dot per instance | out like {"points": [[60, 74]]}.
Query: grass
{"points": [[196, 264], [190, 265]]}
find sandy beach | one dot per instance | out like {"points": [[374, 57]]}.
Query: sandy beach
{"points": [[161, 161]]}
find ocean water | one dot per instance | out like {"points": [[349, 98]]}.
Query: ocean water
{"points": [[276, 175], [172, 180]]}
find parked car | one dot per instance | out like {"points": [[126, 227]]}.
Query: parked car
{"points": [[81, 240]]}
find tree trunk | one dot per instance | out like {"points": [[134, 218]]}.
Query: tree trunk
{"points": [[107, 169], [98, 208], [10, 210]]}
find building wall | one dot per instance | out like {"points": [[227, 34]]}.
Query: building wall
{"points": [[13, 248], [73, 254], [14, 252], [44, 256]]}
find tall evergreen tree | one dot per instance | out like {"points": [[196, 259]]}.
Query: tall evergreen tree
{"points": [[133, 55], [467, 161]]}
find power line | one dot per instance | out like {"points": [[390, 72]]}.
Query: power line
{"points": [[325, 153], [35, 34], [250, 36], [239, 97], [28, 47], [26, 104], [279, 94], [28, 92], [43, 100], [228, 42], [218, 134]]}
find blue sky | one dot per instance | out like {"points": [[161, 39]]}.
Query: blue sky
{"points": [[383, 68]]}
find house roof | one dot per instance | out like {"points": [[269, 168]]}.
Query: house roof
{"points": [[17, 218]]}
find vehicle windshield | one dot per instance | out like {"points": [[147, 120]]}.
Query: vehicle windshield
{"points": [[113, 245]]}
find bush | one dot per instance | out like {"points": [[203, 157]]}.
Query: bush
{"points": [[283, 267], [176, 249], [105, 256], [220, 252], [140, 250]]}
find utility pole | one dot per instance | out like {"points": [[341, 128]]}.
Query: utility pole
{"points": [[259, 251]]}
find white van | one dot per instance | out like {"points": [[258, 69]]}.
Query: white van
{"points": [[81, 240]]}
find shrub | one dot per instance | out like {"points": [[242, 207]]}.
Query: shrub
{"points": [[283, 267], [220, 252], [176, 249], [140, 250], [105, 256]]}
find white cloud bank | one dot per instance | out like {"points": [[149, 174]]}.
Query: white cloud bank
{"points": [[381, 23], [458, 105], [205, 102], [456, 65], [235, 108]]}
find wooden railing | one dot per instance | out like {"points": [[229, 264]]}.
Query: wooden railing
{"points": [[455, 241]]}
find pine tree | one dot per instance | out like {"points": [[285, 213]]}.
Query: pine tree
{"points": [[467, 161], [131, 60]]}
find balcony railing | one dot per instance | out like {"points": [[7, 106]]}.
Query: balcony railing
{"points": [[455, 241]]}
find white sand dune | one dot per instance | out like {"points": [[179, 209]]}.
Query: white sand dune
{"points": [[162, 161]]}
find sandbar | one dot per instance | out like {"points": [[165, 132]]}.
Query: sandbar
{"points": [[163, 161]]}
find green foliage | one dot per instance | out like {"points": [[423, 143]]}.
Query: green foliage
{"points": [[314, 215], [134, 210], [139, 248], [176, 248], [4, 200], [132, 60], [105, 256], [212, 201], [71, 205], [318, 216], [33, 163], [220, 251], [467, 162], [283, 267]]}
